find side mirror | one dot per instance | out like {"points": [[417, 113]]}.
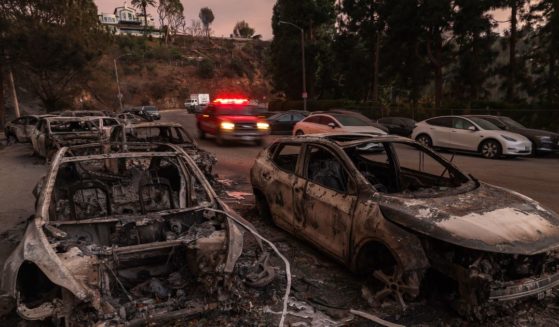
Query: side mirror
{"points": [[472, 128], [332, 125]]}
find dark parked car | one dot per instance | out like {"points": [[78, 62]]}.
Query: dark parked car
{"points": [[283, 122], [147, 112], [398, 125], [354, 114], [543, 141]]}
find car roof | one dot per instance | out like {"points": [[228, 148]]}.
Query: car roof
{"points": [[352, 138], [65, 118]]}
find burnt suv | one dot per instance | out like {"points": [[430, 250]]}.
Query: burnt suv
{"points": [[232, 120], [403, 212]]}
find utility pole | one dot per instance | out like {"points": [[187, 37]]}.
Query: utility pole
{"points": [[14, 93], [119, 95], [304, 95]]}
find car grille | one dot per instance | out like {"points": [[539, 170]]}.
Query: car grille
{"points": [[246, 127]]}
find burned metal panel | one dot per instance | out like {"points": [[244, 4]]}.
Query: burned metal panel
{"points": [[488, 218], [370, 225]]}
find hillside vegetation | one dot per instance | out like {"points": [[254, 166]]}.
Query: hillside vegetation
{"points": [[152, 73]]}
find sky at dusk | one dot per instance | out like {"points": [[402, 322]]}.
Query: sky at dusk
{"points": [[258, 13]]}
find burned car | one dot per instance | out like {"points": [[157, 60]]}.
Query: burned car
{"points": [[407, 211], [165, 132], [53, 133], [21, 129], [125, 239]]}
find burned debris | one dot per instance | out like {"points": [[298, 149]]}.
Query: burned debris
{"points": [[129, 238]]}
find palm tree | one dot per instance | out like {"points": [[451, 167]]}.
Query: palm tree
{"points": [[143, 4]]}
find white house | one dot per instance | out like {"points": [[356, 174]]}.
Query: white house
{"points": [[125, 21]]}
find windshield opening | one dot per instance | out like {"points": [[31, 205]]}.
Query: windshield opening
{"points": [[62, 127], [350, 120], [484, 124]]}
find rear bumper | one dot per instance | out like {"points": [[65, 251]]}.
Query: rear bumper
{"points": [[525, 288]]}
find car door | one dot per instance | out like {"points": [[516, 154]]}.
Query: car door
{"points": [[439, 129], [208, 120], [327, 204], [286, 184], [30, 126], [464, 135], [42, 139], [19, 128], [284, 124]]}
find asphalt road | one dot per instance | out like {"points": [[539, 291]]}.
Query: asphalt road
{"points": [[537, 178]]}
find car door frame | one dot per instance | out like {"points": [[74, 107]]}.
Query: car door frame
{"points": [[440, 135], [464, 139], [301, 219]]}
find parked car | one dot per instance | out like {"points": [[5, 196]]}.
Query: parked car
{"points": [[172, 133], [542, 141], [232, 120], [147, 112], [471, 134], [283, 122], [52, 133], [358, 115], [127, 238], [334, 123], [21, 129], [190, 105], [400, 214], [82, 113], [398, 125]]}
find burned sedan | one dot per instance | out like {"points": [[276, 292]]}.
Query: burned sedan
{"points": [[166, 133], [125, 239], [53, 133], [405, 212]]}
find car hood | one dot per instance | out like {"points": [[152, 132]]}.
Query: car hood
{"points": [[534, 132], [498, 133], [240, 119], [363, 129], [488, 218]]}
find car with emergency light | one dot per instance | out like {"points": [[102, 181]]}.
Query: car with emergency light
{"points": [[232, 119]]}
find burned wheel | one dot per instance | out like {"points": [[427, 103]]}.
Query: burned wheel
{"points": [[398, 285], [299, 132]]}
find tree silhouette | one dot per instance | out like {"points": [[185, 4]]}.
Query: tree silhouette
{"points": [[206, 15], [243, 30], [143, 4]]}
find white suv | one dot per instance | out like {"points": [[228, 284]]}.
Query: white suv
{"points": [[471, 135]]}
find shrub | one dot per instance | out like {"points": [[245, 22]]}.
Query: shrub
{"points": [[206, 69]]}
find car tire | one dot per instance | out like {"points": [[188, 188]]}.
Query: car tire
{"points": [[201, 134], [261, 204], [491, 149], [299, 132], [425, 140]]}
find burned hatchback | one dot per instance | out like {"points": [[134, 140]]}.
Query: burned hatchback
{"points": [[124, 238], [165, 132], [405, 212]]}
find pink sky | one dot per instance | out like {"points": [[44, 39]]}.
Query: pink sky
{"points": [[258, 13]]}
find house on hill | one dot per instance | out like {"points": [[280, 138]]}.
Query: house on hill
{"points": [[125, 21]]}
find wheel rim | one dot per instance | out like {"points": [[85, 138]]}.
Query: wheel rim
{"points": [[489, 150], [424, 141]]}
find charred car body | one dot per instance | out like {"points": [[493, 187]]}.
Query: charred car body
{"points": [[125, 238], [53, 133], [21, 129], [172, 133], [407, 211]]}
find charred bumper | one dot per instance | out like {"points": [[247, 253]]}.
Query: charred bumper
{"points": [[524, 288]]}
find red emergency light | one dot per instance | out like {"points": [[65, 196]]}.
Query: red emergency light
{"points": [[230, 101]]}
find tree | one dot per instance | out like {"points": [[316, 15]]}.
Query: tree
{"points": [[317, 18], [53, 45], [206, 15], [171, 17], [243, 30], [143, 4]]}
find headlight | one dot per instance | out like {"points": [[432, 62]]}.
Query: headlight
{"points": [[227, 125], [508, 138], [544, 138], [262, 125]]}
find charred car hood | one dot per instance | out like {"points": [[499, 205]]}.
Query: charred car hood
{"points": [[488, 218]]}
